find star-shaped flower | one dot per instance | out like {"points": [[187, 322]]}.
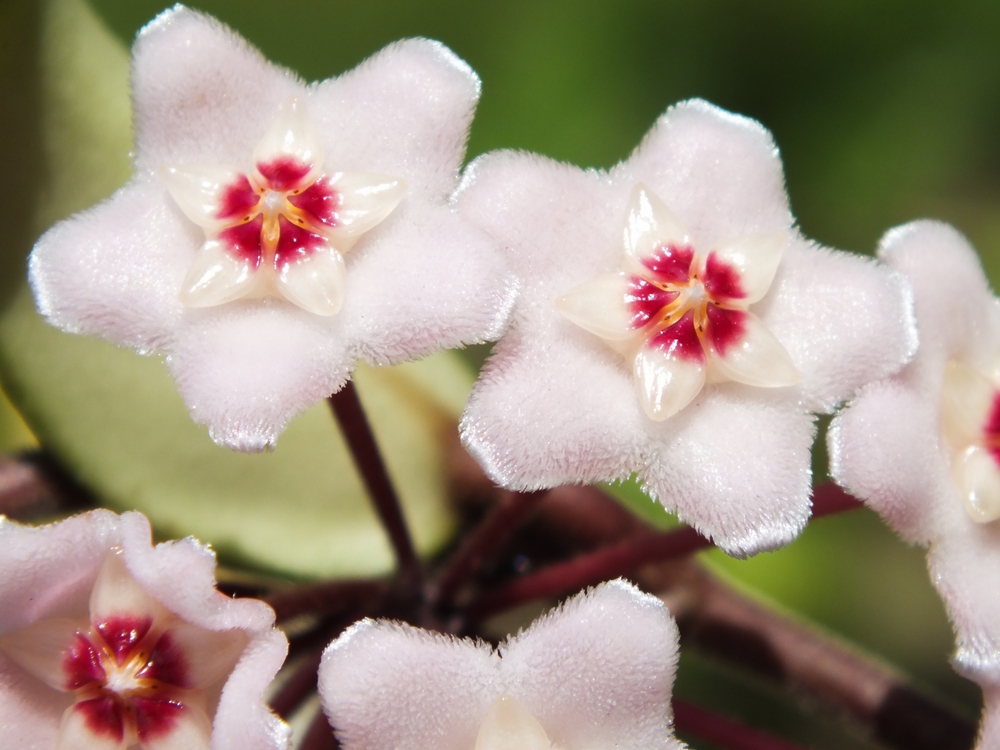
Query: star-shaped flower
{"points": [[275, 233], [109, 643], [728, 330], [595, 673], [921, 447]]}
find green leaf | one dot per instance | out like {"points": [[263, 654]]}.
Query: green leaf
{"points": [[114, 418]]}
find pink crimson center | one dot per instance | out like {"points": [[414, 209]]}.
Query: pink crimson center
{"points": [[681, 317], [129, 683], [684, 305], [282, 228], [138, 674]]}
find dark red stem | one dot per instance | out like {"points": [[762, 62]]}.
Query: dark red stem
{"points": [[483, 543], [360, 439], [722, 730], [298, 687], [320, 735], [623, 558]]}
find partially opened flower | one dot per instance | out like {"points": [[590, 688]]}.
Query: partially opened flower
{"points": [[275, 233], [921, 447], [595, 673], [108, 642], [674, 324]]}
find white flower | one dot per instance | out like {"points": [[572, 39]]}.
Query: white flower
{"points": [[720, 330], [921, 447], [108, 642], [274, 232], [596, 672]]}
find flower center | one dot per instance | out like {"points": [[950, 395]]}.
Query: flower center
{"points": [[684, 305], [128, 683]]}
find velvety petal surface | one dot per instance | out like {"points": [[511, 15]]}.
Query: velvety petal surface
{"points": [[735, 465], [597, 671], [718, 172], [844, 319], [116, 270]]}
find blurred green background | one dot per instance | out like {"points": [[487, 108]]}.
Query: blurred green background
{"points": [[884, 110]]}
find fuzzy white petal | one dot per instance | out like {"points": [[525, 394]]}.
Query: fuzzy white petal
{"points": [[596, 672], [717, 171], [735, 465], [201, 94], [244, 369], [116, 269], [404, 112]]}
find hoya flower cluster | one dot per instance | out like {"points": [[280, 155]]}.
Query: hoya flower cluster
{"points": [[664, 318]]}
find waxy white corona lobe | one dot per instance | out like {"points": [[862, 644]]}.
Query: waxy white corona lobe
{"points": [[284, 227], [681, 316]]}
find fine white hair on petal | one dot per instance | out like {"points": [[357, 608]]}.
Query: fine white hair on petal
{"points": [[201, 94], [426, 279], [965, 567], [597, 671], [56, 569], [544, 413], [735, 465], [246, 368], [956, 311], [720, 173], [405, 111], [556, 404], [386, 685], [116, 269], [846, 320], [885, 448]]}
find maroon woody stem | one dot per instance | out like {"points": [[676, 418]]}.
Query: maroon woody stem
{"points": [[722, 730], [623, 558], [298, 687], [320, 735], [484, 542], [360, 439]]}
